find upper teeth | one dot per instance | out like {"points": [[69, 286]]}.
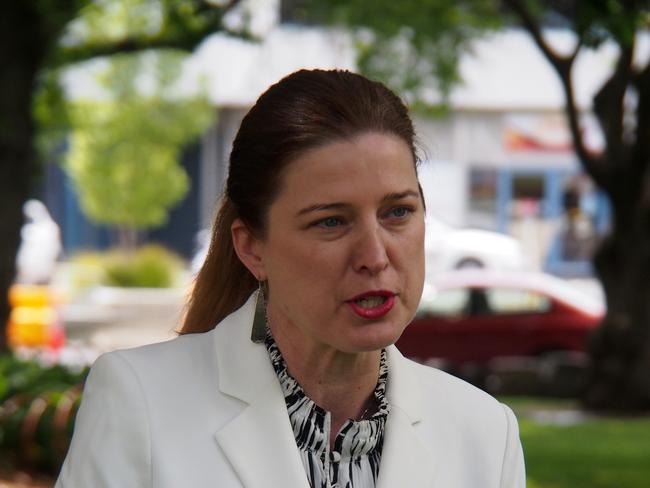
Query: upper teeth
{"points": [[370, 302]]}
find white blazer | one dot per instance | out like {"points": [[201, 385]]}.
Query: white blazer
{"points": [[206, 410]]}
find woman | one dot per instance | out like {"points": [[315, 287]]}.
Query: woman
{"points": [[297, 384]]}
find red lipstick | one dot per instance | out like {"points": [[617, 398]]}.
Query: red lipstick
{"points": [[372, 304]]}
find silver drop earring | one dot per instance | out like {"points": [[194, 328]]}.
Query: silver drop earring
{"points": [[258, 332]]}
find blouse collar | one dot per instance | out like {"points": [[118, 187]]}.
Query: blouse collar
{"points": [[310, 422]]}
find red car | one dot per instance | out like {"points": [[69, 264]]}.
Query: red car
{"points": [[466, 318]]}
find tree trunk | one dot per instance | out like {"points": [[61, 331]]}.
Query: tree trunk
{"points": [[29, 31], [21, 53], [620, 348], [14, 179], [127, 239]]}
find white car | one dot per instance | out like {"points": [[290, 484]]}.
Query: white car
{"points": [[448, 248]]}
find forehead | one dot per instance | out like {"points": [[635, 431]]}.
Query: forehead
{"points": [[369, 163]]}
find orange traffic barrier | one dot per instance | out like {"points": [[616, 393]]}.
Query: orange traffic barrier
{"points": [[34, 319]]}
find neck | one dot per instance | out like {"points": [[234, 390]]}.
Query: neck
{"points": [[341, 383]]}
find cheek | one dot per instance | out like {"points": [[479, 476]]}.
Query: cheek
{"points": [[303, 285], [304, 266], [411, 246], [412, 257]]}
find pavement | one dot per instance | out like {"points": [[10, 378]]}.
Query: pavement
{"points": [[105, 318]]}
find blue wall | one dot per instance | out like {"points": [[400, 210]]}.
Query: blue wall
{"points": [[78, 233]]}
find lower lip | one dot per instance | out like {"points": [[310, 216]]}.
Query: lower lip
{"points": [[375, 312]]}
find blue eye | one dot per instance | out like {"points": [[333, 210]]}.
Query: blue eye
{"points": [[329, 222], [400, 212]]}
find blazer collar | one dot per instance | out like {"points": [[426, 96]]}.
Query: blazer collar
{"points": [[259, 442], [404, 391], [406, 458]]}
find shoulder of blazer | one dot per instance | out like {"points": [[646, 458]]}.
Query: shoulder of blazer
{"points": [[441, 393], [224, 357], [192, 351]]}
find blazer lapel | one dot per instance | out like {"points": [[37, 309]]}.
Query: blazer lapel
{"points": [[406, 460], [259, 442]]}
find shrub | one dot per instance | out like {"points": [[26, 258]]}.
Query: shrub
{"points": [[37, 408], [150, 266]]}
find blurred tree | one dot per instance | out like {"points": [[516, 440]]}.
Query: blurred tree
{"points": [[411, 45], [620, 350], [124, 153], [36, 37]]}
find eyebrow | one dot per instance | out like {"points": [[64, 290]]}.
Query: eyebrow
{"points": [[338, 205]]}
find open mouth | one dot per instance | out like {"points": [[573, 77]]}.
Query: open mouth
{"points": [[372, 305], [371, 301]]}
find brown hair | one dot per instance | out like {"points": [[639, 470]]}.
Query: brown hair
{"points": [[307, 109]]}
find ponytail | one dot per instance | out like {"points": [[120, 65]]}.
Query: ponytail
{"points": [[223, 283]]}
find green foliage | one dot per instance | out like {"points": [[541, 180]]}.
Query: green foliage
{"points": [[18, 376], [37, 408], [106, 27], [112, 21], [593, 21], [413, 45], [597, 20], [50, 111], [86, 269], [124, 152], [85, 29], [150, 266]]}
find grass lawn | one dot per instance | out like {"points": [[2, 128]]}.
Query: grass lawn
{"points": [[597, 452]]}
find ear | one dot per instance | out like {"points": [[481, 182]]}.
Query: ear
{"points": [[248, 249]]}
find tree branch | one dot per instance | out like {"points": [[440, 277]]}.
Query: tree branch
{"points": [[529, 23], [179, 37], [593, 165], [128, 45], [609, 105], [642, 139], [563, 66], [576, 50]]}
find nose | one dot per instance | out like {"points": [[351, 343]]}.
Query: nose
{"points": [[370, 253]]}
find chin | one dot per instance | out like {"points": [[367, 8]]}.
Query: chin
{"points": [[374, 337]]}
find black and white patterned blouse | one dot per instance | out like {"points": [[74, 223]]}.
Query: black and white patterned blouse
{"points": [[354, 460]]}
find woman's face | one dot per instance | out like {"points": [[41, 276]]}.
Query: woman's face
{"points": [[344, 248]]}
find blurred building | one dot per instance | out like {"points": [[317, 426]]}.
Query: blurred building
{"points": [[502, 160], [508, 138]]}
